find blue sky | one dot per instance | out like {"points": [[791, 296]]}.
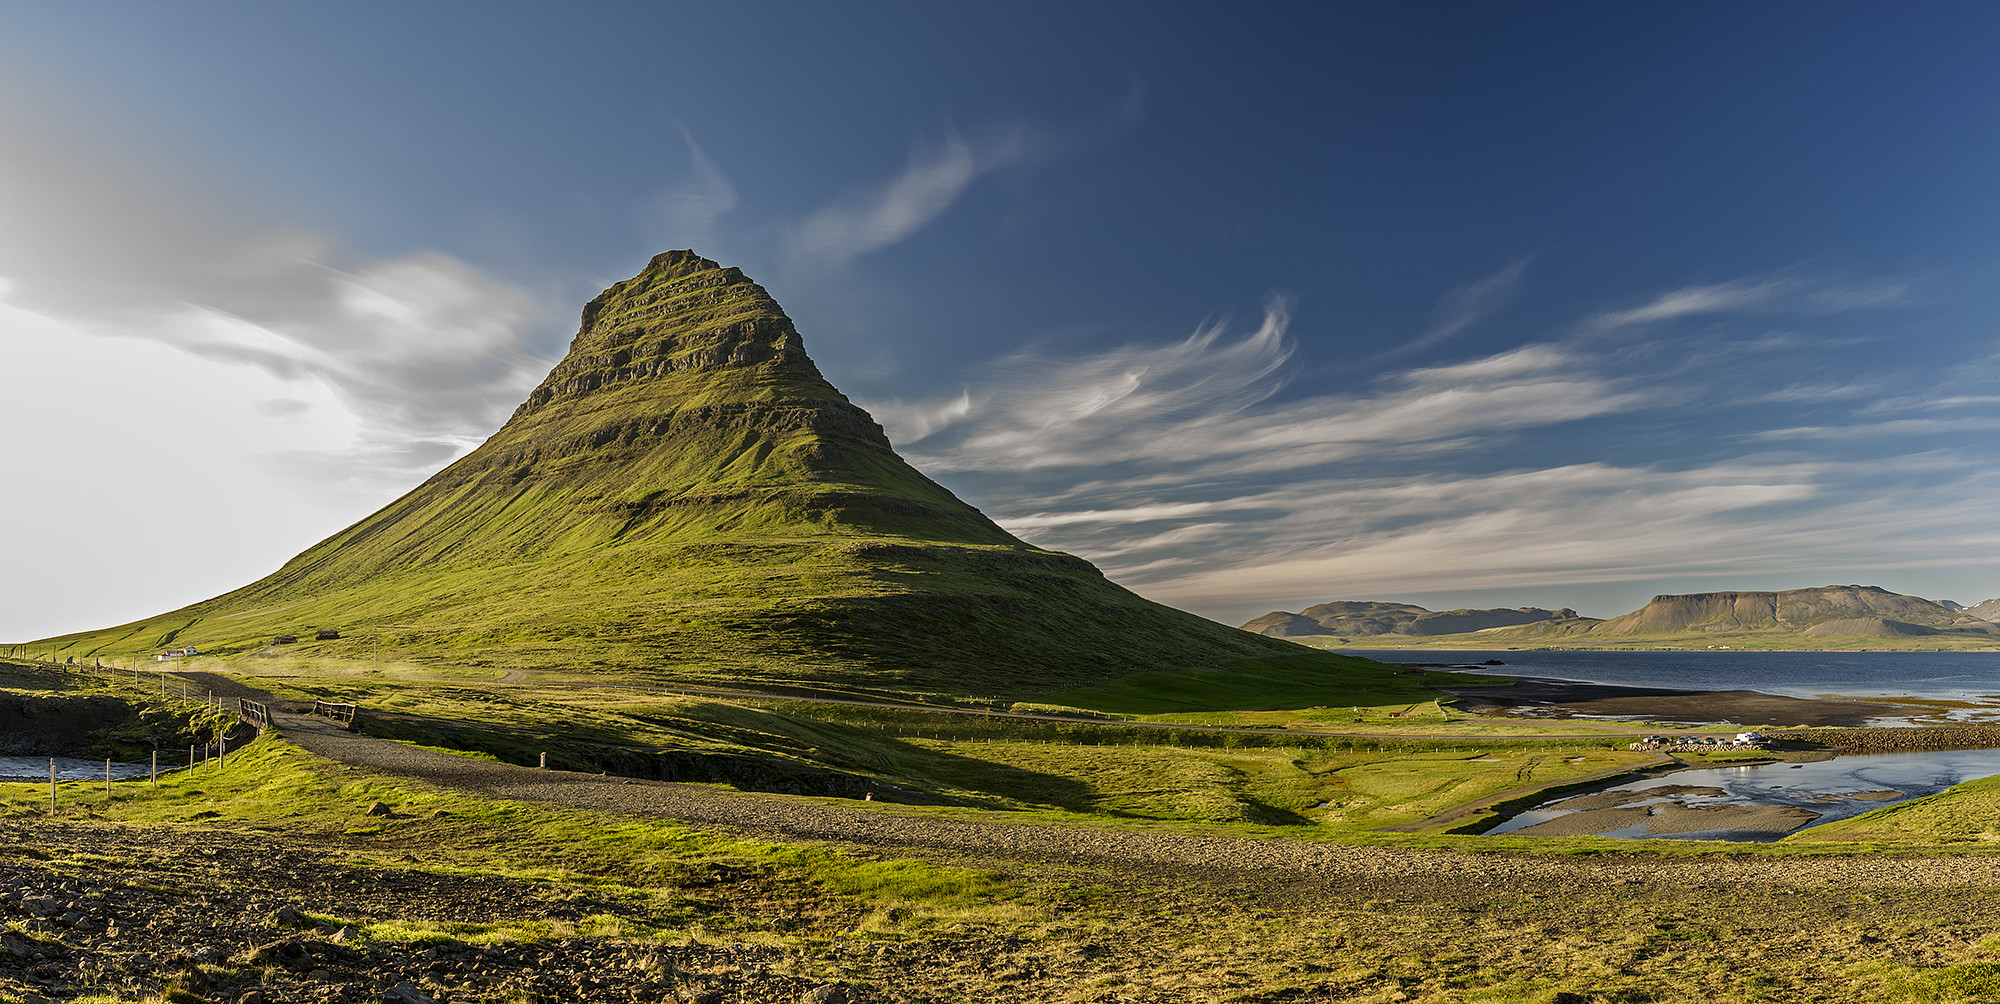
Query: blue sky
{"points": [[1457, 304]]}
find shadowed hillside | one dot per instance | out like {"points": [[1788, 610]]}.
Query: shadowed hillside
{"points": [[685, 495], [1367, 618]]}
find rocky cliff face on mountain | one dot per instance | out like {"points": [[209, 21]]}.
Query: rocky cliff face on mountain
{"points": [[1363, 618], [685, 495], [1824, 611]]}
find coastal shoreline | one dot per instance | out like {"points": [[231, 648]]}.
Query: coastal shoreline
{"points": [[1539, 697]]}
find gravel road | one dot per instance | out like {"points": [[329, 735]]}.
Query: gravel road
{"points": [[883, 825], [139, 913]]}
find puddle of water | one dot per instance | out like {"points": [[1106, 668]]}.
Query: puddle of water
{"points": [[1755, 803]]}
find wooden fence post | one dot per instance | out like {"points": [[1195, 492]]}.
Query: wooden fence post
{"points": [[52, 786]]}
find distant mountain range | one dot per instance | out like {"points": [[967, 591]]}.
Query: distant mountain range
{"points": [[1822, 613], [1366, 617]]}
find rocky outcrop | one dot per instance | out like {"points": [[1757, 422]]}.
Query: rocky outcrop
{"points": [[1824, 611]]}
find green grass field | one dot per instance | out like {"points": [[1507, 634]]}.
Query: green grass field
{"points": [[978, 928], [1206, 935]]}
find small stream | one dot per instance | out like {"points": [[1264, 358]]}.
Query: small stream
{"points": [[36, 768], [1754, 803]]}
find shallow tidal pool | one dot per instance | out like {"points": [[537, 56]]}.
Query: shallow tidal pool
{"points": [[1761, 803]]}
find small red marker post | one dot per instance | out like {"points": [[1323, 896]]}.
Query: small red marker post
{"points": [[545, 761]]}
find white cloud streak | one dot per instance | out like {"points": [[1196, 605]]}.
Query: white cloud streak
{"points": [[875, 218], [872, 217], [1692, 300], [1788, 292], [1188, 472], [1470, 304], [1201, 406], [684, 214]]}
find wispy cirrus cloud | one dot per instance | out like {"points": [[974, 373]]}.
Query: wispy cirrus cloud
{"points": [[684, 214], [1195, 472], [1352, 535], [1205, 405], [1037, 410], [1901, 427], [871, 217], [876, 217], [1790, 292], [1691, 300], [1468, 305]]}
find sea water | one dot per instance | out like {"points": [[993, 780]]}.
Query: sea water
{"points": [[1951, 676], [1827, 787]]}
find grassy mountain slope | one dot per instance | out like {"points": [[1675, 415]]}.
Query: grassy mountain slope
{"points": [[1367, 618], [686, 496]]}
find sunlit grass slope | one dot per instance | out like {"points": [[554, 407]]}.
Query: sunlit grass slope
{"points": [[686, 496]]}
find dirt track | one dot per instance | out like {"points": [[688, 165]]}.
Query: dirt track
{"points": [[886, 826], [1124, 915]]}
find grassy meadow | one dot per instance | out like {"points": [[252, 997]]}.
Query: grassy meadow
{"points": [[1496, 920]]}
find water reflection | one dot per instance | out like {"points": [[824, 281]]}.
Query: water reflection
{"points": [[1755, 803], [36, 768], [1941, 687]]}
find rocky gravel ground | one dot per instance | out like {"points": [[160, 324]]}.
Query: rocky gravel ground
{"points": [[139, 913], [878, 826], [96, 910]]}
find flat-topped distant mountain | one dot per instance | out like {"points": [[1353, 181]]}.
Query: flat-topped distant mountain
{"points": [[1799, 617], [1816, 613], [1368, 618], [686, 496]]}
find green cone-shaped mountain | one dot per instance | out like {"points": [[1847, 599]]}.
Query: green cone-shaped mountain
{"points": [[686, 496]]}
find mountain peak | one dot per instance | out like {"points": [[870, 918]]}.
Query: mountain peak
{"points": [[685, 315], [686, 496]]}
